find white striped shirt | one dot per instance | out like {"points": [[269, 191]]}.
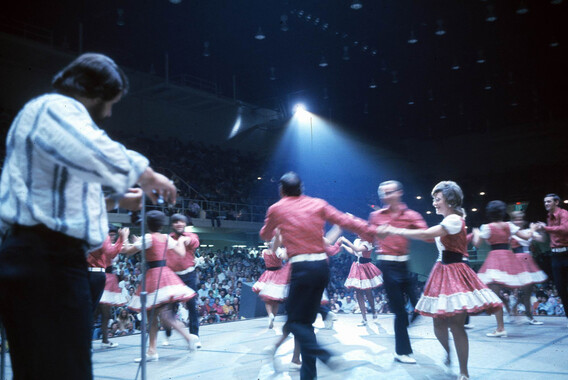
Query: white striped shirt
{"points": [[57, 163]]}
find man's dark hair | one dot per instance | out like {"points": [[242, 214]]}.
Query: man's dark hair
{"points": [[495, 210], [92, 76], [291, 184], [555, 197], [155, 220], [177, 217], [112, 228]]}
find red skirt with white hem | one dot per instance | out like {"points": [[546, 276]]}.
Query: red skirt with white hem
{"points": [[112, 295], [273, 285], [455, 288], [171, 289], [503, 268], [364, 276], [536, 274]]}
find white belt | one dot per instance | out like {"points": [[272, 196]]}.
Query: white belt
{"points": [[393, 258], [188, 270], [90, 269], [308, 257], [563, 249]]}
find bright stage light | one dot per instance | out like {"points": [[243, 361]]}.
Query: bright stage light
{"points": [[299, 108]]}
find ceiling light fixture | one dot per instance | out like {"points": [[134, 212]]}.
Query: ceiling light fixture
{"points": [[260, 34], [206, 52], [120, 17], [323, 62], [440, 31], [412, 39], [480, 57], [490, 14], [456, 65], [272, 73], [523, 9], [372, 84], [345, 56], [356, 5], [394, 78], [284, 23]]}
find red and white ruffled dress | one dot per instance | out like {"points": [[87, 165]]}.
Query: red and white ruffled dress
{"points": [[521, 249], [112, 295], [501, 266], [363, 274], [273, 284], [453, 287], [162, 284]]}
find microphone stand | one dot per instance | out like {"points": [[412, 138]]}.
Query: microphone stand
{"points": [[143, 293]]}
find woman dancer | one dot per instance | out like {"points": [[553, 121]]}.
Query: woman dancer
{"points": [[501, 268], [112, 293], [364, 276], [164, 287], [453, 289], [521, 248], [272, 285]]}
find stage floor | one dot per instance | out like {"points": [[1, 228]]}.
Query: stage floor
{"points": [[233, 351]]}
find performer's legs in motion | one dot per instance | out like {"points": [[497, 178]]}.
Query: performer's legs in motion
{"points": [[360, 294], [461, 342], [441, 326], [167, 318], [394, 276], [105, 317], [560, 276], [499, 313], [190, 280], [308, 280], [371, 299]]}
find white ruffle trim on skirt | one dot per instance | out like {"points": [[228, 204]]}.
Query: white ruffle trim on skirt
{"points": [[113, 299], [364, 284], [491, 276], [167, 294], [474, 301], [276, 292]]}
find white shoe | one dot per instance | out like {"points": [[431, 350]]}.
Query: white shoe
{"points": [[149, 358], [294, 366], [497, 334], [469, 326], [332, 316], [362, 323], [270, 320], [192, 344], [406, 359], [198, 344], [109, 345], [166, 342], [534, 322]]}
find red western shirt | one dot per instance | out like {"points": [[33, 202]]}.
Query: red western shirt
{"points": [[557, 228], [405, 218], [178, 263], [301, 220]]}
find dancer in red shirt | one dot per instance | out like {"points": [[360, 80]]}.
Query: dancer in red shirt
{"points": [[300, 220]]}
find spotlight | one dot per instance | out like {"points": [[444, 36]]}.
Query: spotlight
{"points": [[418, 197], [356, 5], [299, 108], [260, 34]]}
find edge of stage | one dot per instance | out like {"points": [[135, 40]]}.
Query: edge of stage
{"points": [[234, 351]]}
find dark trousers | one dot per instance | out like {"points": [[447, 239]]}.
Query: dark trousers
{"points": [[398, 282], [190, 279], [560, 276], [307, 282], [97, 282], [45, 304]]}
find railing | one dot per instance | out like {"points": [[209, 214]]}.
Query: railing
{"points": [[204, 209]]}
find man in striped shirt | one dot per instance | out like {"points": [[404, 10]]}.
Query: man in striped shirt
{"points": [[53, 209]]}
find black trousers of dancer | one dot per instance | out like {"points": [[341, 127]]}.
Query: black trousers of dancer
{"points": [[45, 304], [190, 279], [397, 282], [97, 281], [560, 276], [307, 282]]}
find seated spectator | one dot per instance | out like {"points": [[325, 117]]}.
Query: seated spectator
{"points": [[349, 306], [228, 311]]}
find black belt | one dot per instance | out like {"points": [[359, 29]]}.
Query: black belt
{"points": [[273, 268], [495, 247], [156, 264], [109, 269], [449, 257], [518, 250], [363, 260]]}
